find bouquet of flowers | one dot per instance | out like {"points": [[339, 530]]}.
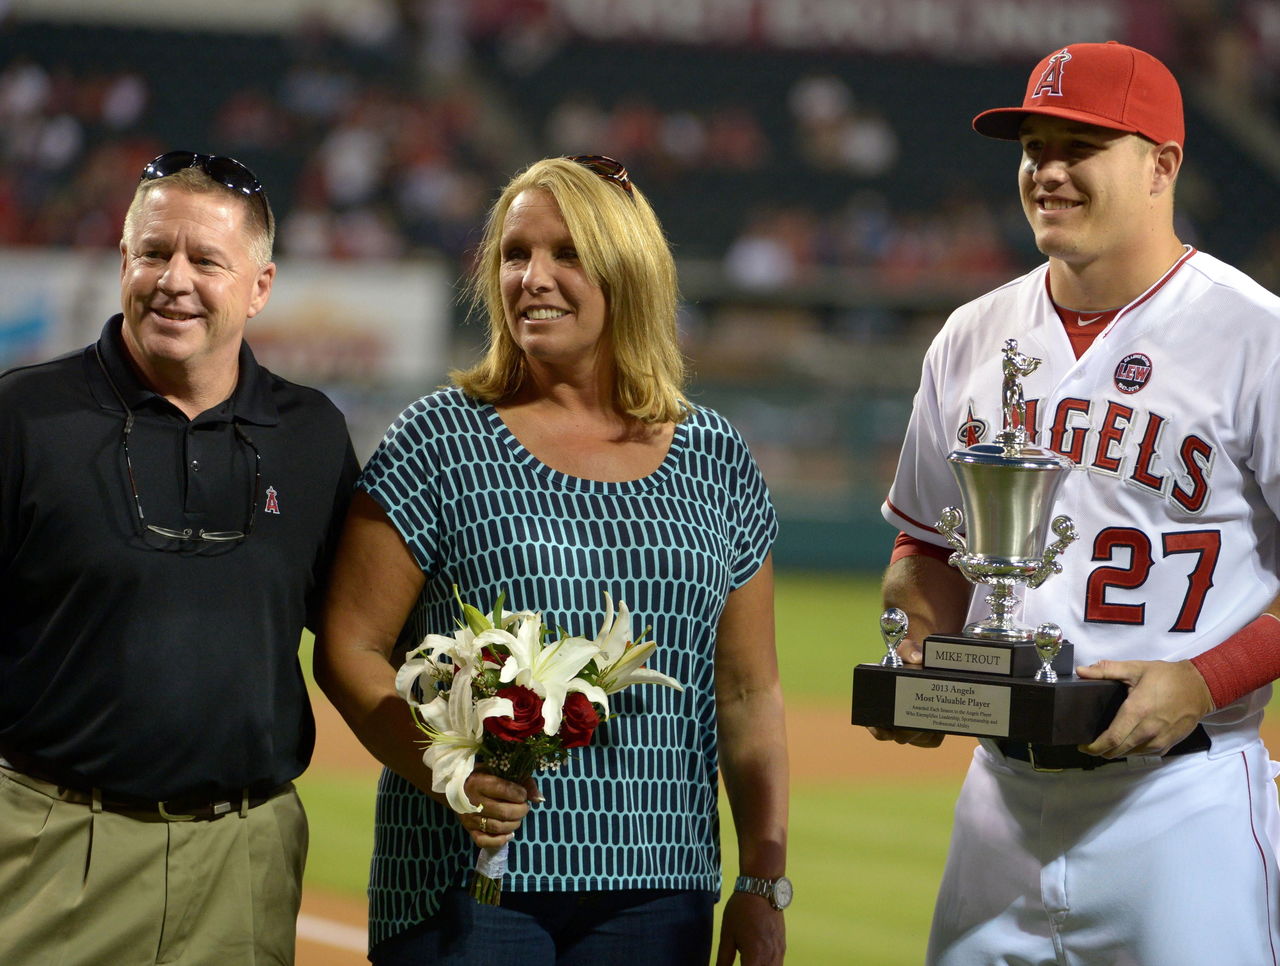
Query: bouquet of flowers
{"points": [[511, 696]]}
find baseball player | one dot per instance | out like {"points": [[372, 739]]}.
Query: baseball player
{"points": [[1155, 844]]}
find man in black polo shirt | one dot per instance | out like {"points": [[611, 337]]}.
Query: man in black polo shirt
{"points": [[168, 511]]}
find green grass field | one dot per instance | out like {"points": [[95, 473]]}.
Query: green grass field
{"points": [[865, 854]]}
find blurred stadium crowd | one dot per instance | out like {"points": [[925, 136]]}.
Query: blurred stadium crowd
{"points": [[389, 146], [827, 206], [384, 134]]}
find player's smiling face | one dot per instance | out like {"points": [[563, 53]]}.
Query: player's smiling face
{"points": [[555, 312], [1086, 190]]}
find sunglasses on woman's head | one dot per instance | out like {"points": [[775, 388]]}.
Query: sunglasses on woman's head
{"points": [[607, 168]]}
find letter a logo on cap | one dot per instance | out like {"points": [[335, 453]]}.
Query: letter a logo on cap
{"points": [[1051, 79]]}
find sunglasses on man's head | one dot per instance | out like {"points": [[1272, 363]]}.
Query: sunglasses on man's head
{"points": [[607, 168], [228, 172]]}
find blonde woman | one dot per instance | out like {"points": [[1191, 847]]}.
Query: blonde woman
{"points": [[566, 463]]}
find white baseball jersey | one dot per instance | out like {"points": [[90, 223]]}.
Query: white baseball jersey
{"points": [[1172, 421]]}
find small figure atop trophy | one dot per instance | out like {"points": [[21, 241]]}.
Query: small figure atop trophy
{"points": [[1016, 364]]}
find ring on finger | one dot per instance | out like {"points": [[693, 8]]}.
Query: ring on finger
{"points": [[484, 825]]}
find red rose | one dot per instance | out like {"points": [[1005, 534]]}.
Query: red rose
{"points": [[579, 722], [525, 719]]}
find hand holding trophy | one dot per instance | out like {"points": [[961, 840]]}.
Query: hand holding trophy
{"points": [[996, 678]]}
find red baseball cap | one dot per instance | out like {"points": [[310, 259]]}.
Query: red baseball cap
{"points": [[1110, 85]]}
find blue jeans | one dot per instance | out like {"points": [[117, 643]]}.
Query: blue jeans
{"points": [[560, 929]]}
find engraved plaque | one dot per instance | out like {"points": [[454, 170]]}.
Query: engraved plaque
{"points": [[961, 707]]}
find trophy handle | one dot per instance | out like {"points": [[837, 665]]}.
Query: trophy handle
{"points": [[1065, 530], [949, 521]]}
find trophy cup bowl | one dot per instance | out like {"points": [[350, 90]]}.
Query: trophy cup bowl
{"points": [[1008, 490], [1007, 501]]}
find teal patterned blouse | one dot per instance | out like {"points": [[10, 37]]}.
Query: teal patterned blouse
{"points": [[637, 808]]}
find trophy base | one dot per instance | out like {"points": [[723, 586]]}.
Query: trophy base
{"points": [[1071, 712], [1012, 658]]}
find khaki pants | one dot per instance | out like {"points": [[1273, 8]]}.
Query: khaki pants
{"points": [[80, 887]]}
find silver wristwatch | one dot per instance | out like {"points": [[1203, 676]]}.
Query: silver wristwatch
{"points": [[778, 891]]}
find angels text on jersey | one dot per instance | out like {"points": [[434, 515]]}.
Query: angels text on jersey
{"points": [[1116, 439]]}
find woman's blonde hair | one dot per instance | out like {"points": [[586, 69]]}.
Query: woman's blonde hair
{"points": [[622, 249]]}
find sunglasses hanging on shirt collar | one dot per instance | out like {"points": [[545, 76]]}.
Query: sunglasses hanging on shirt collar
{"points": [[184, 538]]}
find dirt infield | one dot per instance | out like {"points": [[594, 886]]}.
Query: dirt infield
{"points": [[331, 930]]}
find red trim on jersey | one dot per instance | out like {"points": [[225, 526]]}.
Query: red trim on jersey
{"points": [[1264, 852], [1160, 284], [905, 545], [1082, 336], [1244, 662], [910, 520]]}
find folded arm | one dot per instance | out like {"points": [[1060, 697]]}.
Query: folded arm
{"points": [[373, 587]]}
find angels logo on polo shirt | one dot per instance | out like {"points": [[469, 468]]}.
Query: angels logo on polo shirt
{"points": [[973, 430], [273, 504], [1133, 372]]}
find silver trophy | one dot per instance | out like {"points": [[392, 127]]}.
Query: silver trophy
{"points": [[996, 678], [1008, 488]]}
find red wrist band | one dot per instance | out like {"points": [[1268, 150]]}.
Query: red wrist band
{"points": [[1245, 661]]}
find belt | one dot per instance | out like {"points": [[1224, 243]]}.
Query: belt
{"points": [[174, 809], [203, 808], [1068, 757]]}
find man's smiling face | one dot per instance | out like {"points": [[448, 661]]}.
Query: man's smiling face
{"points": [[188, 282]]}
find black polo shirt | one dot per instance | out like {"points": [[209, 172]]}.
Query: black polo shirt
{"points": [[139, 664]]}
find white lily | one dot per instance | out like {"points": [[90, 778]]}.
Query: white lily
{"points": [[550, 671], [420, 669], [430, 663], [454, 722], [462, 647], [621, 660], [434, 659]]}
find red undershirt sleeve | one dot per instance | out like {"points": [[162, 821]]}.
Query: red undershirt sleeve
{"points": [[906, 545]]}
